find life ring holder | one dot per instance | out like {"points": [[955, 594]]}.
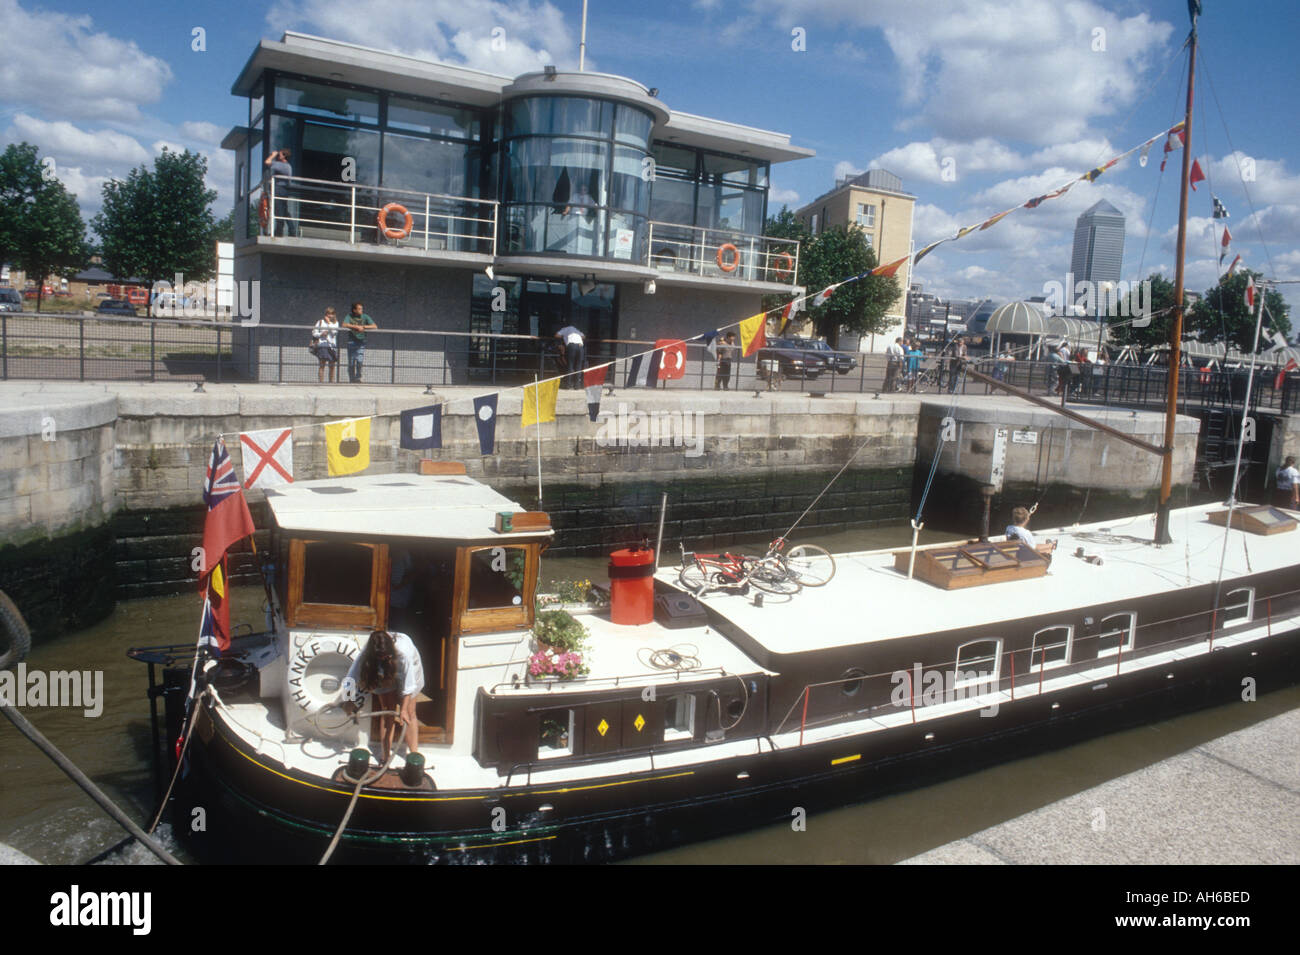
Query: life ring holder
{"points": [[308, 705], [407, 222], [788, 270], [264, 211], [734, 260]]}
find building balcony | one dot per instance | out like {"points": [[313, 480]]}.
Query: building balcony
{"points": [[293, 214]]}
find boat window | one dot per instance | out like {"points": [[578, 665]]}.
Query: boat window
{"points": [[679, 717], [496, 578], [1051, 648], [977, 662], [1116, 633], [1237, 607], [337, 573], [555, 734]]}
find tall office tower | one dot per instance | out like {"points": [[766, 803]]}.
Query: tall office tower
{"points": [[1098, 244]]}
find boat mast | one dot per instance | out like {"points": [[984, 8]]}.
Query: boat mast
{"points": [[1176, 326]]}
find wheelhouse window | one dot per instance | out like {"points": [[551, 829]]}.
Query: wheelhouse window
{"points": [[555, 734], [1117, 631], [1051, 648], [978, 663], [495, 587], [1237, 607], [320, 99], [337, 583], [679, 717]]}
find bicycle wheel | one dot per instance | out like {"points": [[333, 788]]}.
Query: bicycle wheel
{"points": [[811, 565], [693, 578], [772, 577]]}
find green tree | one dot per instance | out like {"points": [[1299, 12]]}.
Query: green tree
{"points": [[41, 230], [20, 180], [1158, 305], [831, 256], [158, 223], [224, 230], [1222, 316]]}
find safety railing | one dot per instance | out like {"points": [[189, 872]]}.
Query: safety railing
{"points": [[298, 207], [719, 253]]}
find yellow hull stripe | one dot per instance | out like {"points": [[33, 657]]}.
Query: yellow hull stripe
{"points": [[846, 759], [538, 792], [494, 845]]}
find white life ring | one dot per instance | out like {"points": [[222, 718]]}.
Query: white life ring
{"points": [[315, 677]]}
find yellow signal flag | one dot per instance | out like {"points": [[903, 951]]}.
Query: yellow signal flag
{"points": [[539, 401], [347, 446], [217, 582], [753, 334]]}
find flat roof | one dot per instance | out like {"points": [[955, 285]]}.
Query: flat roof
{"points": [[398, 73], [432, 507], [868, 601]]}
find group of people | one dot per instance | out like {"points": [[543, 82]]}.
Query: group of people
{"points": [[903, 359], [324, 338], [1075, 370]]}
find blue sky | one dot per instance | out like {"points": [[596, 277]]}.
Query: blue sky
{"points": [[1013, 97]]}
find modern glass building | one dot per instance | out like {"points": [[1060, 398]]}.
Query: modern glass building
{"points": [[454, 200], [1098, 253]]}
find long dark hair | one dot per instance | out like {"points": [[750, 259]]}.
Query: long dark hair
{"points": [[378, 662]]}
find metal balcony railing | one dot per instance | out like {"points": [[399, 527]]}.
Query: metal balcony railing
{"points": [[720, 253], [298, 207]]}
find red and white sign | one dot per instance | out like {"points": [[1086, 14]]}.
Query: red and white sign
{"points": [[673, 363], [267, 457]]}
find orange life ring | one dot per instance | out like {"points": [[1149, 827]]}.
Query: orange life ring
{"points": [[264, 211], [734, 261], [390, 233], [783, 273]]}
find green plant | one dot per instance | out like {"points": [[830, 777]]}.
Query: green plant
{"points": [[559, 629]]}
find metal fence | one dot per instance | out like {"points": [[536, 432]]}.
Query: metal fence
{"points": [[60, 347]]}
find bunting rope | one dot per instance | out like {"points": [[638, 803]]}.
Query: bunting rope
{"points": [[753, 328]]}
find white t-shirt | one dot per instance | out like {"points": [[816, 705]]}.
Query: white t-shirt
{"points": [[410, 669], [326, 333], [894, 352], [1287, 478], [1015, 531]]}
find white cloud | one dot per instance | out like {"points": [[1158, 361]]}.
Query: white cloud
{"points": [[60, 64], [778, 197], [64, 141], [945, 161], [208, 133], [1019, 69], [845, 168], [529, 35]]}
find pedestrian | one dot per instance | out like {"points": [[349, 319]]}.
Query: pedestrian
{"points": [[726, 354], [286, 211], [325, 335], [357, 325], [575, 347], [955, 364], [1064, 371], [913, 355], [1287, 492], [893, 362]]}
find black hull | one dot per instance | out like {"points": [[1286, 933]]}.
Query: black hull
{"points": [[256, 811]]}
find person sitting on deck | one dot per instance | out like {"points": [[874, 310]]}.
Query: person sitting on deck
{"points": [[390, 668], [1017, 530]]}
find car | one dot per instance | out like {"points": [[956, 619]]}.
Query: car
{"points": [[11, 300], [31, 291], [794, 360], [841, 361], [115, 306]]}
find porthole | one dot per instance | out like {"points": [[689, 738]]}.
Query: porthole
{"points": [[852, 681]]}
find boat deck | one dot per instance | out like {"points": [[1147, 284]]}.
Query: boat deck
{"points": [[869, 601]]}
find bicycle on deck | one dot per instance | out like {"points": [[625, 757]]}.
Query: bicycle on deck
{"points": [[776, 572]]}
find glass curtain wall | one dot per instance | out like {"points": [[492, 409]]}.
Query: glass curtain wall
{"points": [[708, 190], [576, 177], [392, 147]]}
